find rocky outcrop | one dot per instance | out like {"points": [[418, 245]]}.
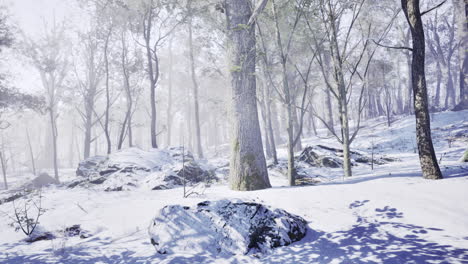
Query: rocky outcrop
{"points": [[233, 227], [130, 168]]}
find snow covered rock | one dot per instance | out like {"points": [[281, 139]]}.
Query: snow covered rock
{"points": [[313, 158], [91, 166], [133, 167], [42, 180], [224, 227]]}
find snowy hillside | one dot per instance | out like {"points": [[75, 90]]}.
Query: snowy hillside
{"points": [[386, 215]]}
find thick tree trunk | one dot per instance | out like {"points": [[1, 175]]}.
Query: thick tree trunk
{"points": [[198, 144], [248, 167], [427, 157]]}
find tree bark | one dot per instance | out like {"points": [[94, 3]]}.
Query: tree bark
{"points": [[248, 166], [430, 167]]}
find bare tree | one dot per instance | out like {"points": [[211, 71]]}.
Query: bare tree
{"points": [[157, 23], [49, 56], [190, 11], [88, 79]]}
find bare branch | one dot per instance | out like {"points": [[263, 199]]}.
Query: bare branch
{"points": [[435, 7]]}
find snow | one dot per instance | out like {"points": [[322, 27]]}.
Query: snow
{"points": [[386, 215]]}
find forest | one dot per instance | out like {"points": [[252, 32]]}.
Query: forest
{"points": [[233, 131]]}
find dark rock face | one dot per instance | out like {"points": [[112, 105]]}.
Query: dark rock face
{"points": [[233, 227]]}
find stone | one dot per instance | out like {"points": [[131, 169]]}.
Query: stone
{"points": [[224, 227]]}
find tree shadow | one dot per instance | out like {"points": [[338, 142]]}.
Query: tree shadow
{"points": [[369, 241], [448, 173]]}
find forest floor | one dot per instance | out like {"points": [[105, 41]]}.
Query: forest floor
{"points": [[386, 215]]}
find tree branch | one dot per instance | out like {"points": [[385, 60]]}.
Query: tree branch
{"points": [[435, 7]]}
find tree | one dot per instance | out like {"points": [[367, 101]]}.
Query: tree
{"points": [[49, 56], [248, 166], [88, 82], [190, 11], [430, 167], [461, 13], [155, 26], [345, 57]]}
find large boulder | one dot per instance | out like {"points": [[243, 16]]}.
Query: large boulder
{"points": [[133, 167], [220, 227]]}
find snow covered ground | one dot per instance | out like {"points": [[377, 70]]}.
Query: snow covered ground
{"points": [[386, 215]]}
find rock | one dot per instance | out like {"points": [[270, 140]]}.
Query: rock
{"points": [[43, 180], [193, 173], [311, 157], [133, 167], [233, 227], [13, 197], [75, 230], [91, 166]]}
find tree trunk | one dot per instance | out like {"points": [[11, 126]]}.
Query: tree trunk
{"points": [[169, 99], [107, 110], [439, 81], [4, 168], [427, 157], [195, 86], [54, 139], [328, 100], [31, 153], [271, 134], [461, 11], [88, 126], [450, 96], [153, 71], [342, 100], [247, 167], [123, 129]]}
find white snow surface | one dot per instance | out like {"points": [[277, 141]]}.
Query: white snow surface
{"points": [[386, 215]]}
